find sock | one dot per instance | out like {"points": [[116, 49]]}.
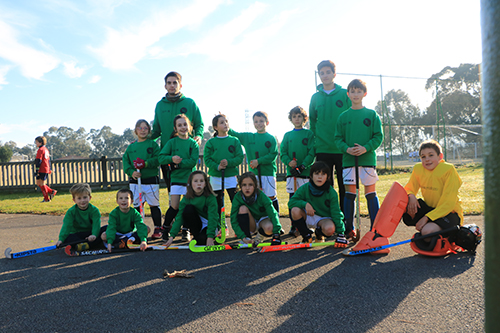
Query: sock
{"points": [[244, 223], [156, 215], [349, 200], [170, 216], [276, 205], [44, 192], [301, 225], [373, 206]]}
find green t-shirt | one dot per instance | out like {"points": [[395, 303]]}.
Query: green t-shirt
{"points": [[77, 220], [324, 110], [325, 205], [206, 207], [262, 207], [217, 149], [363, 127], [186, 149], [166, 111], [265, 145], [149, 151], [300, 142], [124, 223]]}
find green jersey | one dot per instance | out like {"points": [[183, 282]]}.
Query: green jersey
{"points": [[206, 207], [147, 150], [325, 205], [77, 220], [124, 223], [166, 111], [263, 144], [189, 152], [262, 207], [217, 149], [298, 143], [324, 110], [363, 127]]}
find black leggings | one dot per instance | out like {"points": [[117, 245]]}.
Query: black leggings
{"points": [[192, 221], [446, 222]]}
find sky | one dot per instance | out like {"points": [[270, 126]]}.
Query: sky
{"points": [[95, 63]]}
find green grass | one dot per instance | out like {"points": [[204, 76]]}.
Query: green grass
{"points": [[471, 194]]}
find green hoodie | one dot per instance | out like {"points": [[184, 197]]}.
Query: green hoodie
{"points": [[165, 113], [324, 110]]}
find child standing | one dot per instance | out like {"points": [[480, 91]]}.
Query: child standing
{"points": [[180, 154], [141, 161], [439, 182], [297, 153], [253, 212], [42, 166], [82, 222], [261, 151], [359, 134], [222, 152], [197, 211], [124, 224], [315, 205]]}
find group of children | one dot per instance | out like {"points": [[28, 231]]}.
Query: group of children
{"points": [[195, 200]]}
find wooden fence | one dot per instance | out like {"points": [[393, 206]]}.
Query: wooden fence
{"points": [[104, 173]]}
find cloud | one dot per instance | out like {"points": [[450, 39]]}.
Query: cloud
{"points": [[95, 79], [124, 48], [33, 63], [72, 70], [3, 73]]}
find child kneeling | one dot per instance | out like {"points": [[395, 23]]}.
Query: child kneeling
{"points": [[316, 205]]}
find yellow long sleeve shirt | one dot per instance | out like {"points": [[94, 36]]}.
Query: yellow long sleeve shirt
{"points": [[439, 188]]}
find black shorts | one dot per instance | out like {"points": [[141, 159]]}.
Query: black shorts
{"points": [[42, 176], [446, 222]]}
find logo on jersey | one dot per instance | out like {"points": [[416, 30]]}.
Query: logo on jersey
{"points": [[183, 110], [231, 149], [268, 144], [150, 150], [327, 203], [305, 141], [367, 122], [339, 103]]}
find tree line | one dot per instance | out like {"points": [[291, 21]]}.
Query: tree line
{"points": [[456, 90]]}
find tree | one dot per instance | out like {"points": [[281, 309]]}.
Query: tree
{"points": [[64, 141], [5, 153]]}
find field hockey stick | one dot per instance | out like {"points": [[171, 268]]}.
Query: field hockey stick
{"points": [[294, 178], [222, 237], [101, 251], [350, 252], [8, 252], [160, 247], [139, 183], [208, 248], [258, 170], [252, 246], [358, 207], [292, 246]]}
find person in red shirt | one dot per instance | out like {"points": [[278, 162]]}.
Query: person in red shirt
{"points": [[42, 168]]}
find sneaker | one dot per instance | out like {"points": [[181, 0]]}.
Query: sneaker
{"points": [[157, 234], [350, 235], [293, 231], [186, 235], [307, 239], [82, 246], [319, 239], [45, 200], [52, 194], [123, 244], [259, 238], [166, 232]]}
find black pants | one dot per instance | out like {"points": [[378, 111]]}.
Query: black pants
{"points": [[334, 161], [80, 237], [446, 222]]}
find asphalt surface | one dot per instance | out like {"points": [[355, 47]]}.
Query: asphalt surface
{"points": [[306, 290]]}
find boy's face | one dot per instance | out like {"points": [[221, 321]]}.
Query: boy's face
{"points": [[430, 158], [356, 95], [326, 75], [38, 144], [247, 187], [297, 120], [124, 200], [198, 184], [172, 85], [260, 124], [319, 178], [82, 200]]}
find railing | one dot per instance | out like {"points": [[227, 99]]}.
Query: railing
{"points": [[105, 173]]}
